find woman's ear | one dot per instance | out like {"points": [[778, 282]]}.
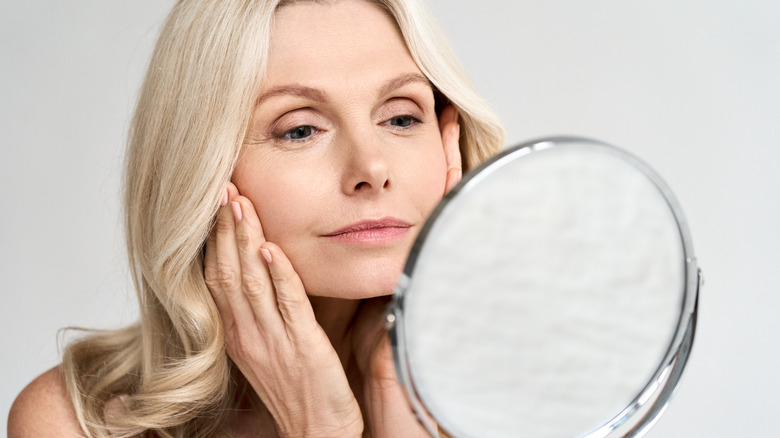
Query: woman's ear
{"points": [[450, 139]]}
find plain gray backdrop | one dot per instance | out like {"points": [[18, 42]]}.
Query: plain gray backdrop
{"points": [[692, 87]]}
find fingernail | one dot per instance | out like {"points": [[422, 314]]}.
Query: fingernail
{"points": [[237, 211], [224, 197], [266, 255]]}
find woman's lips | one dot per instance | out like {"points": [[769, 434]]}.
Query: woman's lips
{"points": [[371, 231]]}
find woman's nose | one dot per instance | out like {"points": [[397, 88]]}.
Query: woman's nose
{"points": [[366, 167]]}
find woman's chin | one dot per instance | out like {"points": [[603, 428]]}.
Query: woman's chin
{"points": [[356, 283], [356, 291], [353, 278]]}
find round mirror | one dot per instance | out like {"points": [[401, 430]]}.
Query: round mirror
{"points": [[552, 293]]}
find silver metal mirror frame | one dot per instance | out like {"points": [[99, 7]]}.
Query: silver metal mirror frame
{"points": [[653, 399]]}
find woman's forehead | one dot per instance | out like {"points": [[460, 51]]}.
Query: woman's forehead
{"points": [[318, 45], [315, 23]]}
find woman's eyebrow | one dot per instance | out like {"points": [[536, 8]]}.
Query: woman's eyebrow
{"points": [[400, 81], [318, 96], [293, 90]]}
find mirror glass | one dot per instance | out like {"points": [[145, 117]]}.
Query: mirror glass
{"points": [[551, 294]]}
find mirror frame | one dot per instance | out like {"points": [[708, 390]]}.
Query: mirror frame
{"points": [[652, 400]]}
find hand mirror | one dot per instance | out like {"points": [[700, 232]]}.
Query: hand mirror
{"points": [[552, 293]]}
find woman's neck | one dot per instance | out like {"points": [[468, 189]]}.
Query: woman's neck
{"points": [[335, 316]]}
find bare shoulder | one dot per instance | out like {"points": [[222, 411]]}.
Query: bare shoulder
{"points": [[43, 409]]}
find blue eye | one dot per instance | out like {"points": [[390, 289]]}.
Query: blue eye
{"points": [[299, 133], [403, 121]]}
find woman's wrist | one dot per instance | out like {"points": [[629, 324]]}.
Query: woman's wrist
{"points": [[389, 413], [353, 429]]}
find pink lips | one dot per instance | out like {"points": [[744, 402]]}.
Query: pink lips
{"points": [[371, 231]]}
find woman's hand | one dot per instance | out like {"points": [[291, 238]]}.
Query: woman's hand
{"points": [[272, 334]]}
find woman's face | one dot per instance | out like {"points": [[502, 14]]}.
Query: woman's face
{"points": [[343, 161]]}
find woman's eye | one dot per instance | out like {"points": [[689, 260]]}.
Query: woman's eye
{"points": [[299, 132], [403, 121]]}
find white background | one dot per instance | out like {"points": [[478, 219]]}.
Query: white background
{"points": [[692, 87]]}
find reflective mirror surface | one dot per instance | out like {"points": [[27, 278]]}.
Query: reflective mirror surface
{"points": [[551, 294]]}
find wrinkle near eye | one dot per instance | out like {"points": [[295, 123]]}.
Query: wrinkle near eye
{"points": [[296, 125], [403, 107]]}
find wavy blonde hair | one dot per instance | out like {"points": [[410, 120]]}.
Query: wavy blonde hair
{"points": [[190, 122]]}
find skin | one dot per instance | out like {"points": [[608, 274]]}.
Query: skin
{"points": [[372, 147], [344, 132]]}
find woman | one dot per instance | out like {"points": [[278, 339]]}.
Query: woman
{"points": [[282, 159]]}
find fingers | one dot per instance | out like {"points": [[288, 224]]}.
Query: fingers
{"points": [[450, 137], [255, 278], [291, 298], [223, 266], [271, 333], [232, 191], [252, 281], [210, 268]]}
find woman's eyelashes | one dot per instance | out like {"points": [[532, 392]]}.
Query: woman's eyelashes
{"points": [[404, 121], [402, 113], [298, 133], [305, 132], [303, 125], [297, 125]]}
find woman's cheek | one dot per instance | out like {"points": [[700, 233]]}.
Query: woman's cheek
{"points": [[435, 178], [291, 204]]}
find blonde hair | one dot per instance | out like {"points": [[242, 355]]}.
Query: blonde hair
{"points": [[186, 135]]}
